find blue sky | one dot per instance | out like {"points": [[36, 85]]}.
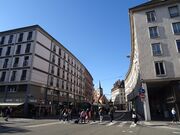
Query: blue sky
{"points": [[97, 32]]}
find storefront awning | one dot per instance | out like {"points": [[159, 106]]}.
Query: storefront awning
{"points": [[10, 104]]}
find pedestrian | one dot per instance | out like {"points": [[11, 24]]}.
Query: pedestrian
{"points": [[101, 114], [65, 114], [134, 117], [111, 114], [173, 112], [83, 116], [7, 113]]}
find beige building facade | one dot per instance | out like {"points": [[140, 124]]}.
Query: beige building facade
{"points": [[155, 59], [36, 69], [118, 95]]}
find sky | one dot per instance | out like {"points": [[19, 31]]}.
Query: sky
{"points": [[97, 32]]}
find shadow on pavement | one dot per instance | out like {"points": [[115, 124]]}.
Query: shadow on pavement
{"points": [[5, 129]]}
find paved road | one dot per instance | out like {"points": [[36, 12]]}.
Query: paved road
{"points": [[55, 127]]}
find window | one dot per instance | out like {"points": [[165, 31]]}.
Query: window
{"points": [[20, 37], [5, 63], [159, 67], [23, 75], [173, 11], [58, 71], [3, 76], [178, 45], [59, 61], [60, 51], [53, 58], [151, 16], [16, 61], [1, 51], [26, 59], [52, 70], [176, 28], [12, 89], [18, 49], [10, 39], [153, 32], [13, 76], [29, 37], [8, 51], [54, 48], [2, 40], [28, 47], [57, 83], [156, 49], [51, 81]]}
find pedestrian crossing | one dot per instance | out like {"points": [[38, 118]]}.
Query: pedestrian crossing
{"points": [[129, 124]]}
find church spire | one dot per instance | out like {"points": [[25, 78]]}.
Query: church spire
{"points": [[100, 85]]}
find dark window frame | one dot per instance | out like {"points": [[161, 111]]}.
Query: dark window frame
{"points": [[24, 75], [29, 37], [176, 28], [174, 14], [153, 32], [20, 39], [160, 68], [151, 16], [10, 39], [178, 45]]}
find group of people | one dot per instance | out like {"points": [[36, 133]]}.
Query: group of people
{"points": [[85, 115]]}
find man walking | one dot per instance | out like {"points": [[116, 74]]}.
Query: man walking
{"points": [[173, 112]]}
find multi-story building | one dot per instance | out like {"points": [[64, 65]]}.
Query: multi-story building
{"points": [[155, 59], [118, 95], [36, 69]]}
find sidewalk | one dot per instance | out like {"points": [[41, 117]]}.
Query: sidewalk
{"points": [[161, 124]]}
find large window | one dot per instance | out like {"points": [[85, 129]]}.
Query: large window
{"points": [[28, 47], [26, 60], [23, 75], [160, 68], [13, 75], [8, 51], [2, 40], [16, 61], [18, 49], [178, 45], [20, 39], [176, 27], [3, 76], [153, 32], [173, 11], [29, 37], [151, 17], [156, 49], [10, 39], [1, 51], [5, 63]]}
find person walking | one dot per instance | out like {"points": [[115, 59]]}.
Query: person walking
{"points": [[111, 114], [134, 117], [173, 112], [7, 113], [101, 114]]}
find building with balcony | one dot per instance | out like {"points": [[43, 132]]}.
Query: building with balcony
{"points": [[118, 95], [155, 59], [38, 71]]}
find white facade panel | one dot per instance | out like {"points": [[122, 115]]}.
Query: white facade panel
{"points": [[40, 64], [43, 40], [39, 77], [41, 51]]}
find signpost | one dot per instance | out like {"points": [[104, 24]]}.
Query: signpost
{"points": [[142, 94]]}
